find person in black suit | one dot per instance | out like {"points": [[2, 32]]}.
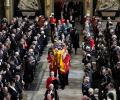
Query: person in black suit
{"points": [[76, 41], [117, 31], [85, 87], [12, 90], [117, 79], [1, 92], [13, 42], [19, 86]]}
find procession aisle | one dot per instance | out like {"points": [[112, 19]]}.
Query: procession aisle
{"points": [[71, 92]]}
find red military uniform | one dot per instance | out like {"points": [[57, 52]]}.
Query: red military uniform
{"points": [[49, 81], [92, 43], [67, 67], [52, 64], [67, 62], [62, 20], [25, 45], [52, 20]]}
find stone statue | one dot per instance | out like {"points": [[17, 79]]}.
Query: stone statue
{"points": [[108, 5], [28, 5]]}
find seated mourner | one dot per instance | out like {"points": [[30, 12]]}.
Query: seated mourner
{"points": [[18, 55]]}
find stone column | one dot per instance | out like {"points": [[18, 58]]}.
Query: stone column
{"points": [[12, 8], [88, 7], [53, 1], [1, 8], [8, 9], [49, 7]]}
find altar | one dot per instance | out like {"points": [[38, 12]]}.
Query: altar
{"points": [[108, 8]]}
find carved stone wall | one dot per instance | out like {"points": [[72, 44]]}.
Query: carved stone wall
{"points": [[28, 5], [108, 5]]}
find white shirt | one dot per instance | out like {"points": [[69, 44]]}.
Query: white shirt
{"points": [[114, 94]]}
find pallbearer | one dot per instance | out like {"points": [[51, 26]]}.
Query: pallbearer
{"points": [[66, 60], [52, 62], [52, 79]]}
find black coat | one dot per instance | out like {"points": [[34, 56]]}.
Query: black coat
{"points": [[92, 97], [85, 89], [1, 95], [13, 93], [13, 44], [19, 86], [76, 40]]}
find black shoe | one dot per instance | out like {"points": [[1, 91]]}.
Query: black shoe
{"points": [[67, 83], [62, 87]]}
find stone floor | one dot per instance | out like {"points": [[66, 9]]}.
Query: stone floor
{"points": [[71, 92]]}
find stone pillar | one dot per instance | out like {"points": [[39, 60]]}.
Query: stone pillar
{"points": [[1, 9], [53, 1], [8, 9], [12, 8], [88, 7], [49, 7]]}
